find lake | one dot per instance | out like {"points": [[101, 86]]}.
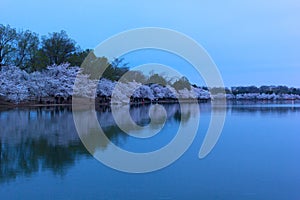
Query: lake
{"points": [[256, 156]]}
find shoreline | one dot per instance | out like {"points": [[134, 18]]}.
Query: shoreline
{"points": [[7, 104]]}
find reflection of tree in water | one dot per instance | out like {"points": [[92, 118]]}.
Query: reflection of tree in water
{"points": [[265, 109], [35, 139], [45, 138], [31, 156]]}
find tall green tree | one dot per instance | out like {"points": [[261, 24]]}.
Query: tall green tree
{"points": [[58, 47], [8, 38]]}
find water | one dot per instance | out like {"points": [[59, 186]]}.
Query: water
{"points": [[256, 157]]}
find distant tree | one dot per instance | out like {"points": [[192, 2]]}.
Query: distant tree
{"points": [[58, 47], [252, 89], [97, 67], [135, 75], [116, 69], [120, 67], [266, 89], [27, 49], [77, 58], [39, 61], [293, 90], [8, 38], [94, 66], [244, 90], [156, 78], [182, 83], [227, 90], [204, 88], [218, 90], [281, 90]]}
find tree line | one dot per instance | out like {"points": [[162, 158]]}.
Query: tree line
{"points": [[29, 52], [278, 90], [25, 49]]}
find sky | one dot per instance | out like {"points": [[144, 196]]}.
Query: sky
{"points": [[251, 42]]}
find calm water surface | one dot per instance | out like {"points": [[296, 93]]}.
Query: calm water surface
{"points": [[256, 157]]}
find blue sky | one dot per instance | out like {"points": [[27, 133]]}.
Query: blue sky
{"points": [[252, 42]]}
